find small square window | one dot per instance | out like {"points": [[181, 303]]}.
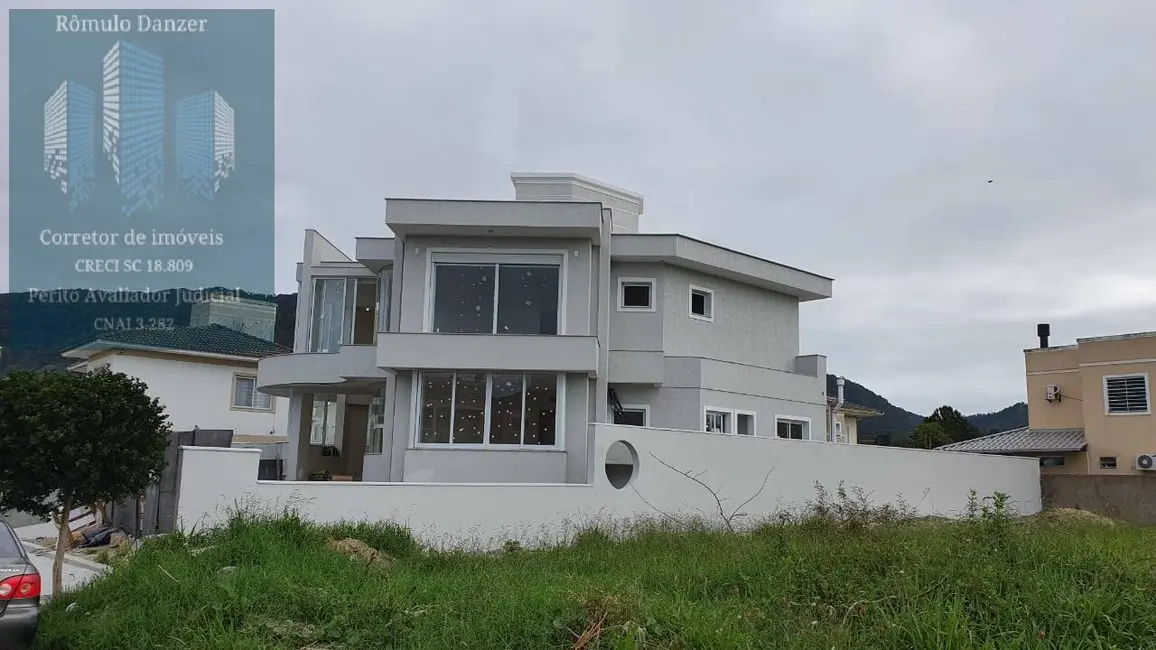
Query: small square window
{"points": [[701, 303], [717, 421], [635, 294], [744, 423], [246, 395], [1107, 462]]}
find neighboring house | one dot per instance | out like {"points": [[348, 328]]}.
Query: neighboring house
{"points": [[479, 342], [205, 377], [1089, 407], [846, 416]]}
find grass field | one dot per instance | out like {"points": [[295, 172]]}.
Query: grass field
{"points": [[834, 579]]}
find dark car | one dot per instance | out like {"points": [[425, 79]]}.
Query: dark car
{"points": [[19, 592]]}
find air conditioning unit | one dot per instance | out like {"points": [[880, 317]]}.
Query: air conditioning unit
{"points": [[1052, 393], [1146, 462]]}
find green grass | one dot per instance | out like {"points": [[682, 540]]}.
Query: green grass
{"points": [[831, 580]]}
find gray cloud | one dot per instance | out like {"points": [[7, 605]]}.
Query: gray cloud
{"points": [[851, 138]]}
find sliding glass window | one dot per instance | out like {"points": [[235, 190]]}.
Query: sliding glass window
{"points": [[496, 298], [345, 312]]}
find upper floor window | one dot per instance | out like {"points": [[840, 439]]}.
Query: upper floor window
{"points": [[701, 303], [344, 313], [636, 294], [1126, 394], [518, 294], [246, 395]]}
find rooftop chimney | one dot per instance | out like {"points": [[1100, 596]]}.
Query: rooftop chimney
{"points": [[625, 206], [1043, 330]]}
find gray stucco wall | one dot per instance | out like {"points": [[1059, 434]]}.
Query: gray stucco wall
{"points": [[752, 326]]}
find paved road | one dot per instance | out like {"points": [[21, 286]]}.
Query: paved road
{"points": [[76, 572], [74, 575]]}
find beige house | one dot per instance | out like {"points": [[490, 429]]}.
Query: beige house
{"points": [[1089, 407], [846, 418]]}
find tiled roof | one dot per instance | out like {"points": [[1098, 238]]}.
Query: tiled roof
{"points": [[852, 406], [210, 339], [1023, 441]]}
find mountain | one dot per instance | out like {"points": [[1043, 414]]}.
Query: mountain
{"points": [[58, 327], [1012, 417], [896, 424]]}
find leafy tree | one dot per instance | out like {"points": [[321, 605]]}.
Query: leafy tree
{"points": [[72, 439], [954, 424], [929, 435]]}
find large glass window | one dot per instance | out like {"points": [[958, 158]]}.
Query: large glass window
{"points": [[324, 428], [498, 298], [500, 409], [345, 312]]}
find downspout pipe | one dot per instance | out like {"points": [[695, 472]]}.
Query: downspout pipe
{"points": [[839, 381]]}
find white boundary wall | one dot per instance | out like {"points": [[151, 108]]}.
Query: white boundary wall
{"points": [[215, 481]]}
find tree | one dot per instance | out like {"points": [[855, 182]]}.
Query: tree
{"points": [[929, 435], [954, 424], [72, 439]]}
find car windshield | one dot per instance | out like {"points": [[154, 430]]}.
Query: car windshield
{"points": [[9, 545]]}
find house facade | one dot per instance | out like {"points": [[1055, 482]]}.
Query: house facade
{"points": [[480, 340], [845, 417], [205, 377], [1089, 407]]}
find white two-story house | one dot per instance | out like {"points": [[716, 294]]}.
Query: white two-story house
{"points": [[478, 342]]}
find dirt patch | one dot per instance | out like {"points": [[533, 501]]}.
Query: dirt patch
{"points": [[356, 549], [1074, 516]]}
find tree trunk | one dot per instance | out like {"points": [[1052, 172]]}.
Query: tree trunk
{"points": [[63, 541]]}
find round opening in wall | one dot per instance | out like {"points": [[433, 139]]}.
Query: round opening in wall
{"points": [[621, 464]]}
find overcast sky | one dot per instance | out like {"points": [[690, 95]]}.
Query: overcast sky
{"points": [[852, 139]]}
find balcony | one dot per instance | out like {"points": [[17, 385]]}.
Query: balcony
{"points": [[352, 367], [524, 353]]}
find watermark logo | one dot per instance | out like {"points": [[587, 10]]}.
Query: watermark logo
{"points": [[141, 161], [133, 134]]}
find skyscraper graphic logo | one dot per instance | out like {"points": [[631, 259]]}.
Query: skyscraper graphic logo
{"points": [[205, 145], [70, 141], [133, 126]]}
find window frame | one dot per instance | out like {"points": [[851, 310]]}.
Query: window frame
{"points": [[375, 430], [806, 422], [754, 423], [475, 257], [651, 282], [1052, 458], [1109, 463], [728, 423], [346, 327], [1147, 394], [337, 417], [234, 406], [642, 408], [559, 415], [385, 300], [709, 293]]}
